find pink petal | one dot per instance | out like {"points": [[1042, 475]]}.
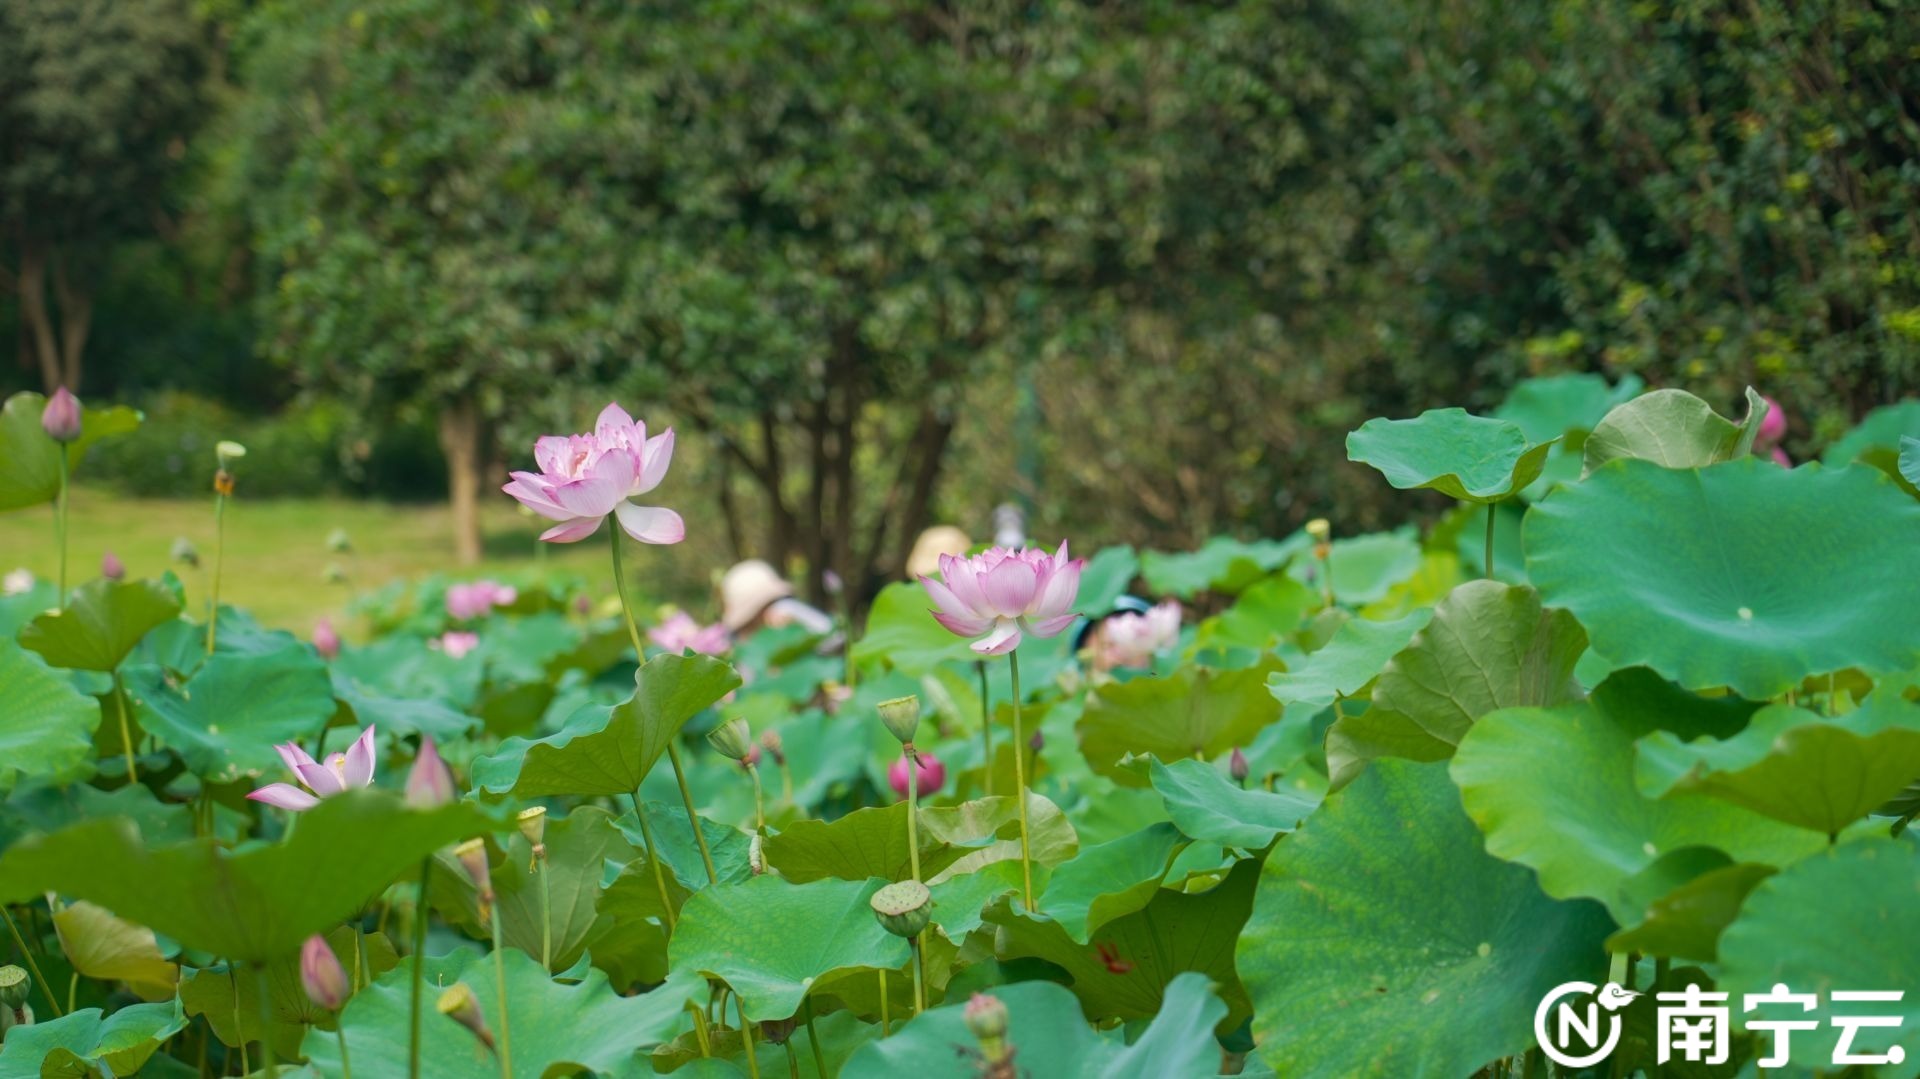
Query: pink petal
{"points": [[572, 531], [284, 795], [602, 488], [293, 755], [651, 524], [655, 456], [359, 765], [1061, 589], [553, 453], [1010, 587], [944, 599], [320, 779], [532, 492], [962, 575], [1047, 627], [963, 625], [1004, 638], [613, 420]]}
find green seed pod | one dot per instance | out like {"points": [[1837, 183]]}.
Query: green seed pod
{"points": [[733, 739], [14, 987], [904, 909], [902, 717]]}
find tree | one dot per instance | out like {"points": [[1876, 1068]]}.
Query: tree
{"points": [[97, 98]]}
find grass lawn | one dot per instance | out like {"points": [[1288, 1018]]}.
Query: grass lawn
{"points": [[276, 550]]}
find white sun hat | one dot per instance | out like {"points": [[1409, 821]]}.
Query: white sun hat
{"points": [[747, 589]]}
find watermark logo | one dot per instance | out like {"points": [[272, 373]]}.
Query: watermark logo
{"points": [[1558, 1039], [1693, 1024]]}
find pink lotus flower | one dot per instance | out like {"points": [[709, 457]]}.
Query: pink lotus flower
{"points": [[1004, 594], [325, 640], [60, 419], [1780, 458], [933, 775], [477, 599], [1773, 426], [111, 567], [429, 782], [1130, 638], [455, 643], [321, 974], [342, 771], [583, 478], [680, 632]]}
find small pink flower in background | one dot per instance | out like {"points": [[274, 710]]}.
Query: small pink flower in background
{"points": [[325, 640], [680, 632], [342, 771], [429, 782], [112, 568], [583, 605], [1773, 428], [933, 775], [61, 418], [321, 974], [477, 599], [1004, 594], [1130, 638], [583, 478], [455, 643]]}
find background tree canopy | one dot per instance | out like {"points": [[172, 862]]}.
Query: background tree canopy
{"points": [[874, 259]]}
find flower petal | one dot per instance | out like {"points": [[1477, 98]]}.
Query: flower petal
{"points": [[602, 488], [572, 531], [320, 779], [1009, 587], [1062, 587], [655, 456], [1004, 638], [533, 492], [944, 599], [651, 524], [963, 576], [553, 453], [963, 625], [293, 755], [1047, 627], [613, 420], [359, 767], [284, 795]]}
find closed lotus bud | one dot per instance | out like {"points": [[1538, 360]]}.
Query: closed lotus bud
{"points": [[533, 825], [184, 552], [458, 1004], [429, 783], [932, 775], [473, 858], [1237, 766], [321, 974], [111, 567], [902, 717], [1037, 742], [61, 418], [325, 640], [986, 1017], [14, 987], [338, 542], [733, 739], [904, 908], [775, 748]]}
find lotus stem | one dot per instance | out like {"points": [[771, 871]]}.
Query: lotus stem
{"points": [[546, 909], [986, 731], [266, 1021], [419, 969], [746, 1035], [919, 979], [1489, 562], [126, 732], [886, 1020], [60, 529], [759, 805], [500, 977], [1020, 782], [813, 1039], [653, 858], [33, 965], [346, 1066], [233, 983], [219, 552]]}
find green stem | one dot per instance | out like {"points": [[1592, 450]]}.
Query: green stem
{"points": [[653, 858], [813, 1039], [346, 1066], [919, 976], [693, 818], [419, 969], [746, 1035], [913, 808], [126, 732], [32, 965], [233, 983], [266, 1021], [500, 979], [1020, 781], [60, 527], [546, 914], [1489, 562], [886, 1019], [759, 805], [793, 1062], [986, 731], [219, 551]]}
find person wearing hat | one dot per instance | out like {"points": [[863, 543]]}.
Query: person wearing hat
{"points": [[753, 595]]}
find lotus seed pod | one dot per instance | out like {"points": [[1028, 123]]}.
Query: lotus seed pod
{"points": [[224, 451], [902, 717], [904, 908], [733, 739], [14, 987], [1319, 529], [473, 859], [458, 1004], [533, 825]]}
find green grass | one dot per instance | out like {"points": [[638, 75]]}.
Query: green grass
{"points": [[276, 550]]}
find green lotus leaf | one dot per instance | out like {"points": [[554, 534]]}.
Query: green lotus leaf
{"points": [[46, 728], [1553, 789], [1346, 664], [1195, 711], [229, 997], [1386, 942], [558, 1029], [960, 902], [360, 706], [88, 1042], [102, 622], [770, 940], [593, 755], [1910, 459], [1686, 923], [1744, 574], [226, 719], [1116, 878], [1356, 739], [872, 842], [1463, 456], [1105, 578], [32, 475], [256, 902], [1209, 809], [1844, 919], [1126, 969], [1366, 568], [1882, 429], [102, 946], [1549, 407], [902, 634], [673, 841], [1794, 766], [1223, 564], [1050, 1034], [1673, 429], [1264, 613]]}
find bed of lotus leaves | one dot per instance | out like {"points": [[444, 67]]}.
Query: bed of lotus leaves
{"points": [[1669, 736]]}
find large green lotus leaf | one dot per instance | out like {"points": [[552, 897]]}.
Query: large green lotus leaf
{"points": [[1744, 574], [1366, 568], [1463, 456], [360, 706], [256, 902], [770, 939], [46, 728], [229, 997], [1223, 564], [112, 949], [1795, 766], [1050, 1035], [1910, 459], [102, 622], [591, 756], [1265, 612], [960, 903], [1844, 919], [32, 474], [558, 1029], [1386, 942], [1175, 932], [1882, 429], [88, 1043], [1115, 878], [901, 632], [872, 842], [1105, 578], [1357, 739], [1549, 407], [1643, 702], [226, 719], [673, 839], [1195, 711], [1553, 789], [1346, 663], [1207, 808], [1673, 429], [1686, 923]]}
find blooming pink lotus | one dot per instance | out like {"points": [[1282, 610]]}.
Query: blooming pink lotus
{"points": [[477, 599], [583, 478], [342, 771], [679, 632], [455, 643], [1004, 593], [933, 775], [1130, 638]]}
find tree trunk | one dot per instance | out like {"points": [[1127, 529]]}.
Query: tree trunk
{"points": [[76, 322], [34, 313], [462, 441]]}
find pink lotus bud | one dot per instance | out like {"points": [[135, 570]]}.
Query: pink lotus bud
{"points": [[1237, 766], [111, 567], [325, 640], [61, 418], [775, 747], [1037, 742], [583, 605], [986, 1019], [429, 783], [933, 775], [1773, 426], [321, 974]]}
